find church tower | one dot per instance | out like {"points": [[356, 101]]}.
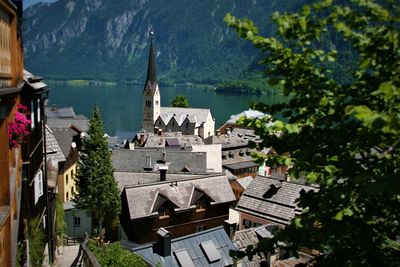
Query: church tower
{"points": [[151, 93]]}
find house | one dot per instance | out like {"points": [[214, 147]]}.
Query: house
{"points": [[188, 121], [236, 151], [69, 140], [280, 258], [150, 160], [231, 124], [182, 206], [207, 248], [267, 200], [11, 83], [63, 117], [251, 237], [77, 221], [239, 185], [160, 139]]}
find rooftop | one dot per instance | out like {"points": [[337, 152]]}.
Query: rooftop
{"points": [[207, 248], [150, 159], [272, 199], [141, 199]]}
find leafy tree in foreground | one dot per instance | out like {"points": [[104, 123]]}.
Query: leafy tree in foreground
{"points": [[98, 191], [343, 136], [180, 101]]}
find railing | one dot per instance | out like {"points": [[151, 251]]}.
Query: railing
{"points": [[72, 240], [89, 260]]}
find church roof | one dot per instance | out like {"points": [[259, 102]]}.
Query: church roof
{"points": [[194, 115], [151, 71]]}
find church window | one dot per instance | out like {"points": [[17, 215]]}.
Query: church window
{"points": [[148, 103], [156, 103]]}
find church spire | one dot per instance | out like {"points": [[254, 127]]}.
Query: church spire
{"points": [[151, 71]]}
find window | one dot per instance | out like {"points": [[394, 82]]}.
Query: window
{"points": [[38, 109], [66, 179], [163, 213], [247, 223], [72, 174], [77, 221], [148, 103], [67, 195], [156, 103], [33, 115], [200, 228], [5, 43], [201, 205]]}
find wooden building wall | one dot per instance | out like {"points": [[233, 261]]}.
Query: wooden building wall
{"points": [[11, 75], [178, 223]]}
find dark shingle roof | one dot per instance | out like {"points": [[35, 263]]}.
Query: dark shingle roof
{"points": [[64, 112], [280, 207], [177, 160], [64, 137], [80, 122], [192, 244], [134, 178], [141, 198], [53, 150], [247, 237]]}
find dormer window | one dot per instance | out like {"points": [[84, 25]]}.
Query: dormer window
{"points": [[163, 212], [273, 189]]}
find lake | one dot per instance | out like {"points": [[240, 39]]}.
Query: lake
{"points": [[121, 105]]}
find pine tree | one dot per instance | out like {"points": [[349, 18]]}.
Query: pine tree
{"points": [[97, 189]]}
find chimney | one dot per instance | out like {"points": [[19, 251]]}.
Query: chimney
{"points": [[218, 133], [228, 131], [148, 166], [141, 139], [159, 132], [164, 242], [163, 172], [155, 130]]}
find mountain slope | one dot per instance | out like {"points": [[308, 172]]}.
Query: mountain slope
{"points": [[108, 39]]}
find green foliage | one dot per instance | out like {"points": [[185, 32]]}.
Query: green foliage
{"points": [[109, 255], [342, 135], [180, 101], [98, 191], [60, 223], [37, 243]]}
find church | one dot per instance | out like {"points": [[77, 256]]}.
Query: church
{"points": [[188, 121]]}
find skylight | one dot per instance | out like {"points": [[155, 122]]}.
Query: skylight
{"points": [[211, 251]]}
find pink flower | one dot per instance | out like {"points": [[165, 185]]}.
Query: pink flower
{"points": [[18, 129]]}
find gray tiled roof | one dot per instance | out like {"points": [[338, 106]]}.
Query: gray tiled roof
{"points": [[53, 150], [177, 160], [192, 243], [280, 207], [134, 178], [245, 181], [56, 112], [64, 137], [80, 122], [196, 115], [140, 198], [247, 113], [154, 140], [248, 237]]}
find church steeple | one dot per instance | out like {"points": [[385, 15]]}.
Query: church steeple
{"points": [[151, 92], [151, 71]]}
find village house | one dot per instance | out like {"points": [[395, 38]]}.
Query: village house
{"points": [[206, 248], [236, 152], [188, 121], [182, 206], [231, 124], [267, 200], [64, 117]]}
